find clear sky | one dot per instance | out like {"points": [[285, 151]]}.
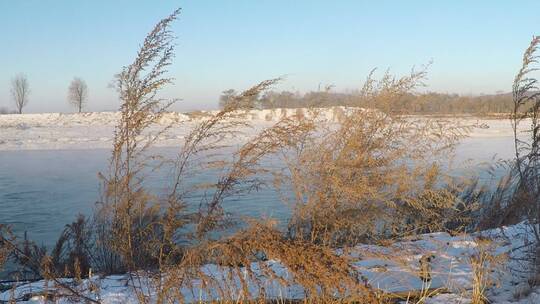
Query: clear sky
{"points": [[476, 46]]}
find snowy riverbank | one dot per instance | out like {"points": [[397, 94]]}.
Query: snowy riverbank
{"points": [[393, 269], [50, 131]]}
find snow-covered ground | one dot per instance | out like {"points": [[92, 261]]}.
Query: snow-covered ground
{"points": [[95, 130], [392, 269]]}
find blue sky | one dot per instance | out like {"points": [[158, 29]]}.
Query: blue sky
{"points": [[476, 46]]}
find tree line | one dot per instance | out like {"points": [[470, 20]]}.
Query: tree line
{"points": [[20, 92], [410, 103]]}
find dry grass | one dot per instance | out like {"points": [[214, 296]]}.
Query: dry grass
{"points": [[143, 229], [372, 168], [244, 255], [526, 96], [484, 264], [146, 231], [526, 197], [6, 241]]}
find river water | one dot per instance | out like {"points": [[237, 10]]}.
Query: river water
{"points": [[43, 190]]}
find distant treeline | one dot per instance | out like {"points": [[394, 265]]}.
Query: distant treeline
{"points": [[426, 103]]}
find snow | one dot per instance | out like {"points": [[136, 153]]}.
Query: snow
{"points": [[50, 131], [392, 269]]}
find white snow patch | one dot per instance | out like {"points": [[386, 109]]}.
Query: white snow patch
{"points": [[393, 269], [50, 131]]}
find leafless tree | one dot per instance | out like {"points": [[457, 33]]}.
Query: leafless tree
{"points": [[20, 90], [77, 93], [226, 97]]}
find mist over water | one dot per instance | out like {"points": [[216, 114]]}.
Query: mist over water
{"points": [[43, 190]]}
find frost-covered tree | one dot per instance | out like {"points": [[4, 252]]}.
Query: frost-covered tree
{"points": [[77, 93], [20, 89]]}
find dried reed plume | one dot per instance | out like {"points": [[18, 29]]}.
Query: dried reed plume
{"points": [[372, 175]]}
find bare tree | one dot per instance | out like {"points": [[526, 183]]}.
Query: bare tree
{"points": [[20, 90], [77, 93], [225, 97]]}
